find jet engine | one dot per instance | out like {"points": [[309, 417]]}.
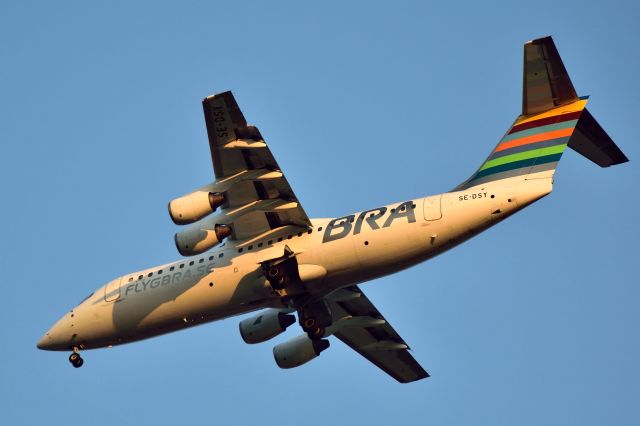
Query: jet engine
{"points": [[265, 326], [298, 351], [195, 205], [196, 239]]}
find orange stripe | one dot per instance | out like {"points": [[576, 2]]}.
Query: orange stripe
{"points": [[554, 134], [572, 107]]}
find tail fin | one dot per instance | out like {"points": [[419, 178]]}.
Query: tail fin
{"points": [[553, 117]]}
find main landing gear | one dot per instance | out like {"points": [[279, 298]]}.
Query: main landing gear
{"points": [[75, 359], [314, 318], [282, 271], [277, 277], [283, 276], [313, 329]]}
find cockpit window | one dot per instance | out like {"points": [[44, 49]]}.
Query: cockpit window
{"points": [[82, 301]]}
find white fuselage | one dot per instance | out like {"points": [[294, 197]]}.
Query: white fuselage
{"points": [[228, 280]]}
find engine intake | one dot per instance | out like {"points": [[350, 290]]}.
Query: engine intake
{"points": [[265, 326], [298, 351], [196, 240], [194, 206]]}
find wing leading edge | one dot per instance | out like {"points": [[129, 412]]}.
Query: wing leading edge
{"points": [[372, 336]]}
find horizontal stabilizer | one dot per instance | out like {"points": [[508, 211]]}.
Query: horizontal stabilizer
{"points": [[590, 140]]}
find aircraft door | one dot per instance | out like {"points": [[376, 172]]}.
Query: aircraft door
{"points": [[432, 208], [112, 290]]}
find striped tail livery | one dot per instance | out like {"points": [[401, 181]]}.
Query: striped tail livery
{"points": [[553, 118]]}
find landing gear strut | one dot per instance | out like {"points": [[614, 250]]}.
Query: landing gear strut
{"points": [[75, 359]]}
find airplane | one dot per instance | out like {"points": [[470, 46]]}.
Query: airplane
{"points": [[248, 244]]}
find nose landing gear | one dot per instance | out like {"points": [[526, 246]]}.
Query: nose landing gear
{"points": [[75, 359]]}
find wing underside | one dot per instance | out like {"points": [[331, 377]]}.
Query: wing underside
{"points": [[372, 336], [258, 196]]}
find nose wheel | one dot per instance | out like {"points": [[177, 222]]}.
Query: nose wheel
{"points": [[76, 360]]}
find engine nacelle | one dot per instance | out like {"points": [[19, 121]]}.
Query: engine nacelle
{"points": [[265, 326], [195, 205], [298, 351], [196, 239]]}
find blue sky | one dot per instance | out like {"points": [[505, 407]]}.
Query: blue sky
{"points": [[363, 103]]}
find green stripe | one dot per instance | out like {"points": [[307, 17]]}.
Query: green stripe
{"points": [[534, 153], [541, 129], [523, 165]]}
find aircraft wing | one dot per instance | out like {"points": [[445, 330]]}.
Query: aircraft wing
{"points": [[364, 329], [258, 195]]}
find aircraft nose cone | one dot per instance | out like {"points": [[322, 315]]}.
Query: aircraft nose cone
{"points": [[59, 337], [45, 342]]}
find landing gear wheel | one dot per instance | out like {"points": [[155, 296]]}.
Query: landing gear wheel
{"points": [[314, 318], [277, 278], [76, 360], [316, 333], [309, 324]]}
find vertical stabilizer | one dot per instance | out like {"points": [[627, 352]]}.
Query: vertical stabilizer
{"points": [[553, 117], [546, 83]]}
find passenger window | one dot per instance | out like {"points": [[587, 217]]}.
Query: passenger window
{"points": [[172, 268], [160, 272], [309, 231], [149, 274], [279, 239], [210, 257], [250, 247], [289, 237], [270, 242], [320, 229], [191, 263], [181, 265], [239, 250], [140, 277], [221, 254], [259, 244], [130, 279]]}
